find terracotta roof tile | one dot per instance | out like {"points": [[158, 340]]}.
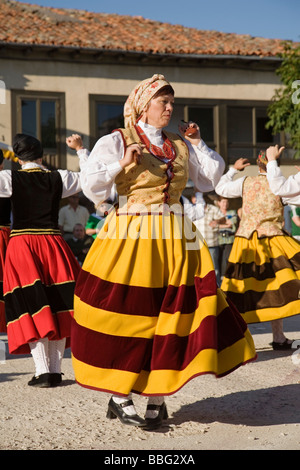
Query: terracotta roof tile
{"points": [[22, 23]]}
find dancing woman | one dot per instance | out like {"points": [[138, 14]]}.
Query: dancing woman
{"points": [[262, 277], [40, 269], [148, 314], [5, 222]]}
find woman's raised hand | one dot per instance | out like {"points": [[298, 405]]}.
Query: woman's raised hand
{"points": [[133, 154]]}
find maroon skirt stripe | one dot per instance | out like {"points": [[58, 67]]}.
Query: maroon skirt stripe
{"points": [[121, 298], [167, 352]]}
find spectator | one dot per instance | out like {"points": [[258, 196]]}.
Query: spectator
{"points": [[226, 232], [287, 218], [295, 222], [70, 215], [96, 220], [80, 243], [208, 226]]}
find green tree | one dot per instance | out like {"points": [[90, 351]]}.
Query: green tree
{"points": [[284, 110]]}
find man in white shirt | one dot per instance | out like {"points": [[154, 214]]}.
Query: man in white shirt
{"points": [[208, 226], [71, 214]]}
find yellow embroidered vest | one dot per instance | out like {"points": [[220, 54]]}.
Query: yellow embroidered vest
{"points": [[146, 184], [262, 211]]}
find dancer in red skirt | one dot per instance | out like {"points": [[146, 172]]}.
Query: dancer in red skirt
{"points": [[4, 237], [40, 269]]}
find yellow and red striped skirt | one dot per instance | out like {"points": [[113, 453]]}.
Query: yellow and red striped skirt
{"points": [[148, 315], [263, 277]]}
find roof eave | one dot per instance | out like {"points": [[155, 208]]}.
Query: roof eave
{"points": [[99, 53]]}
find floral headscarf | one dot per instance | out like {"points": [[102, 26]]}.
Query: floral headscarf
{"points": [[262, 158], [140, 97]]}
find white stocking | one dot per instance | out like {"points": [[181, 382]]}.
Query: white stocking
{"points": [[39, 352], [129, 410], [154, 401], [56, 354], [277, 329]]}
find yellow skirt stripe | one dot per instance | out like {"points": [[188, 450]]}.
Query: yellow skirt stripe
{"points": [[132, 260], [141, 326]]}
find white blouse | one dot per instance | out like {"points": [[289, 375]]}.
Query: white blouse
{"points": [[70, 180], [287, 188], [227, 187], [99, 171], [230, 188]]}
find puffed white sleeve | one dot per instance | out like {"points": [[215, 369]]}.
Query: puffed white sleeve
{"points": [[227, 187], [5, 183], [194, 211], [205, 166], [287, 188], [99, 170], [71, 179]]}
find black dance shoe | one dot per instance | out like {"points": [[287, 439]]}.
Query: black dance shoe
{"points": [[55, 379], [154, 423], [115, 410], [42, 381], [287, 344]]}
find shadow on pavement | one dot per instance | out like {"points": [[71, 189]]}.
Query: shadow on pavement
{"points": [[263, 407]]}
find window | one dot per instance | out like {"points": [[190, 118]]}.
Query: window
{"points": [[109, 117], [204, 117], [41, 116], [246, 132], [106, 115], [263, 135]]}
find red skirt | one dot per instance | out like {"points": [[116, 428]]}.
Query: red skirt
{"points": [[39, 282], [4, 238]]}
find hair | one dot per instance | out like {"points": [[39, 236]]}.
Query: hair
{"points": [[1, 157], [165, 90], [262, 161], [262, 166], [27, 148]]}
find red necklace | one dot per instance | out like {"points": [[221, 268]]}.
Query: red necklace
{"points": [[166, 152]]}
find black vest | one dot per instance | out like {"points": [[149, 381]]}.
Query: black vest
{"points": [[36, 194], [5, 210]]}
